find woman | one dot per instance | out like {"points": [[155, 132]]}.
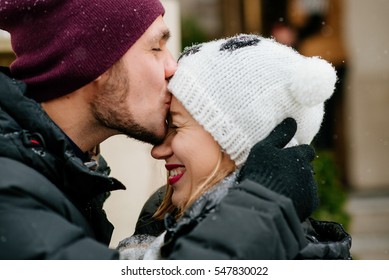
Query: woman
{"points": [[228, 95]]}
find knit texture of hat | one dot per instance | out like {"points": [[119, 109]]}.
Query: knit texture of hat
{"points": [[61, 46], [240, 88]]}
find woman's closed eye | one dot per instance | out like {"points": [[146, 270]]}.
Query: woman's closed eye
{"points": [[173, 126], [172, 129]]}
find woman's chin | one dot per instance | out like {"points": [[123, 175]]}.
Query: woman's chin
{"points": [[178, 200]]}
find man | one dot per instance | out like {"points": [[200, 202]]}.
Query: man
{"points": [[86, 70]]}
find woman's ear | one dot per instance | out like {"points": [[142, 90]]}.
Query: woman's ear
{"points": [[226, 160]]}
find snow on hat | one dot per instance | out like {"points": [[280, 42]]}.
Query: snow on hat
{"points": [[61, 46], [240, 88]]}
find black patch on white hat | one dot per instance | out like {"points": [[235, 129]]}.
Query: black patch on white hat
{"points": [[190, 50], [240, 42]]}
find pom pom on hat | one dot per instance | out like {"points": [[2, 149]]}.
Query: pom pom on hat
{"points": [[240, 88], [312, 81]]}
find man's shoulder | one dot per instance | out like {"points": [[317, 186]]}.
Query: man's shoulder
{"points": [[13, 172], [18, 178]]}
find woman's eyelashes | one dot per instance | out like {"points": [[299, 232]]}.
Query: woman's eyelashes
{"points": [[173, 126]]}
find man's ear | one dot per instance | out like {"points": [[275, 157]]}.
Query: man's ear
{"points": [[100, 80], [103, 77], [94, 86]]}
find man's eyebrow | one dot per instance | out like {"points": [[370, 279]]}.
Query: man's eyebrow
{"points": [[163, 35]]}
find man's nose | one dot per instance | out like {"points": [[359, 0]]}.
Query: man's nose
{"points": [[170, 66]]}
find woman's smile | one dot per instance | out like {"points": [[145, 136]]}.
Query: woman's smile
{"points": [[176, 171]]}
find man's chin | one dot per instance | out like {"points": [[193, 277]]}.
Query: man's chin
{"points": [[148, 137], [156, 138]]}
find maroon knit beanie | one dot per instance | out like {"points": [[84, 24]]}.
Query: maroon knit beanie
{"points": [[62, 45]]}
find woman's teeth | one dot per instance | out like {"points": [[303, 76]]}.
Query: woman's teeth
{"points": [[176, 171], [175, 175]]}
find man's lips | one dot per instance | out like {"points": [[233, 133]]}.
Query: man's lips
{"points": [[176, 171], [168, 99]]}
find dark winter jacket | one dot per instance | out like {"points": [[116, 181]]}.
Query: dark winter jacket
{"points": [[50, 202], [277, 228]]}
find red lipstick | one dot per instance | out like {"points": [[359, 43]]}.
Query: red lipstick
{"points": [[173, 166], [175, 176], [174, 179]]}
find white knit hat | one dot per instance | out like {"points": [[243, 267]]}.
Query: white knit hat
{"points": [[240, 88]]}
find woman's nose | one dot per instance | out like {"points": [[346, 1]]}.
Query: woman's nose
{"points": [[164, 150]]}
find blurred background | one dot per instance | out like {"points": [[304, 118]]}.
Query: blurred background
{"points": [[352, 167]]}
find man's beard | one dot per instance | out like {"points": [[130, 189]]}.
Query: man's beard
{"points": [[109, 108]]}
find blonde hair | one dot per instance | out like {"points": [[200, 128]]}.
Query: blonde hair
{"points": [[219, 172]]}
